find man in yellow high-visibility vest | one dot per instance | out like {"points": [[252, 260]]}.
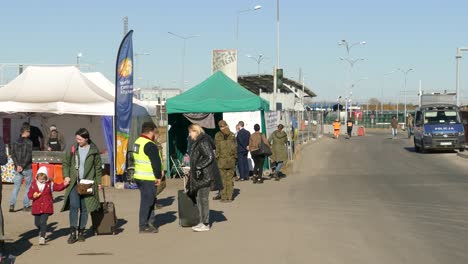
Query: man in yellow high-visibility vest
{"points": [[147, 175]]}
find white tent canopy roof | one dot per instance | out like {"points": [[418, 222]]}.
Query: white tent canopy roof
{"points": [[58, 90]]}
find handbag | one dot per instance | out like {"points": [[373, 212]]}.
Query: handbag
{"points": [[85, 188], [263, 150]]}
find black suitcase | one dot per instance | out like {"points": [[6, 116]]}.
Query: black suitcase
{"points": [[104, 220], [188, 210]]}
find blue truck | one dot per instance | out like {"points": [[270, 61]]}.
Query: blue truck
{"points": [[437, 124]]}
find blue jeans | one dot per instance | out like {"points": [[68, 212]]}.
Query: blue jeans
{"points": [[147, 201], [77, 202], [394, 132], [279, 166], [27, 175]]}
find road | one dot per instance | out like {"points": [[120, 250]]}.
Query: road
{"points": [[365, 200]]}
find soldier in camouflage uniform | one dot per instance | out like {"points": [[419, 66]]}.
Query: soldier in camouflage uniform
{"points": [[226, 156]]}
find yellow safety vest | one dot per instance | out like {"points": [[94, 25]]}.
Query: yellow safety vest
{"points": [[143, 169]]}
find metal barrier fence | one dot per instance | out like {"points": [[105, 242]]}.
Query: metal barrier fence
{"points": [[372, 119], [309, 126]]}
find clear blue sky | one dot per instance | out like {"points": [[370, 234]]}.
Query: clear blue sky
{"points": [[419, 34]]}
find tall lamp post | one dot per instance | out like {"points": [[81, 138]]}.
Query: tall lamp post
{"points": [[382, 90], [405, 73], [258, 59], [277, 66], [184, 38], [255, 8], [338, 108], [78, 57], [458, 57], [351, 63]]}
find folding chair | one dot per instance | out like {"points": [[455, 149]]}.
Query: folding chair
{"points": [[177, 166]]}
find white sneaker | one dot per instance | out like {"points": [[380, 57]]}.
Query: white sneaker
{"points": [[197, 226], [202, 228], [41, 240]]}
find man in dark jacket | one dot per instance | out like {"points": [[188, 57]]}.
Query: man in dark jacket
{"points": [[36, 136], [243, 138], [226, 156], [148, 174], [21, 153]]}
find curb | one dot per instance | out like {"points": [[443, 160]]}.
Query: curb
{"points": [[463, 155]]}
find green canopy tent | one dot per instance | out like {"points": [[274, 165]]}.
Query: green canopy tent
{"points": [[217, 94]]}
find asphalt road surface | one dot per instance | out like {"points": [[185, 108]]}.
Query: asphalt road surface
{"points": [[364, 200]]}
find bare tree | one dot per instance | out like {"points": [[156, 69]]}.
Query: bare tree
{"points": [[374, 101]]}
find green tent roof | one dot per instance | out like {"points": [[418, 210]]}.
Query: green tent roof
{"points": [[216, 94]]}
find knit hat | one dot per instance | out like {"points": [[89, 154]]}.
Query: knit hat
{"points": [[43, 170], [52, 127]]}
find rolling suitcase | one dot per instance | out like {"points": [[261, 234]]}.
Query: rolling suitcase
{"points": [[104, 220], [188, 210]]}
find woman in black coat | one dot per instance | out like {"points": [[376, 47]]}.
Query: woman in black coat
{"points": [[204, 173]]}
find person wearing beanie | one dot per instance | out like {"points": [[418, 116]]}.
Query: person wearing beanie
{"points": [[40, 193], [226, 156], [55, 140]]}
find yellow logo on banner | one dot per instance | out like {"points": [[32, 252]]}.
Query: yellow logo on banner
{"points": [[122, 144], [125, 68]]}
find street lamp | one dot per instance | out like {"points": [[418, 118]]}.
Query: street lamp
{"points": [[383, 86], [351, 94], [257, 7], [338, 108], [405, 73], [259, 60], [351, 63], [458, 57], [348, 47], [184, 38], [78, 57]]}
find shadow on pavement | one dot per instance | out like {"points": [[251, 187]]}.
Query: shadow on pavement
{"points": [[217, 217], [166, 218], [56, 233], [410, 149], [119, 225], [166, 201], [58, 199], [436, 152], [21, 245]]}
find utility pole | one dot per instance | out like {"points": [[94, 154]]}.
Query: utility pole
{"points": [[125, 26]]}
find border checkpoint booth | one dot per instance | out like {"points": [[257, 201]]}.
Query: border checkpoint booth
{"points": [[216, 98]]}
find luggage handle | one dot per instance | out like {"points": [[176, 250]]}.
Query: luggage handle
{"points": [[103, 194]]}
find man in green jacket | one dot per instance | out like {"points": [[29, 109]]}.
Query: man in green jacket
{"points": [[226, 156]]}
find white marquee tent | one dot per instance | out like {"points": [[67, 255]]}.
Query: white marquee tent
{"points": [[58, 90]]}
